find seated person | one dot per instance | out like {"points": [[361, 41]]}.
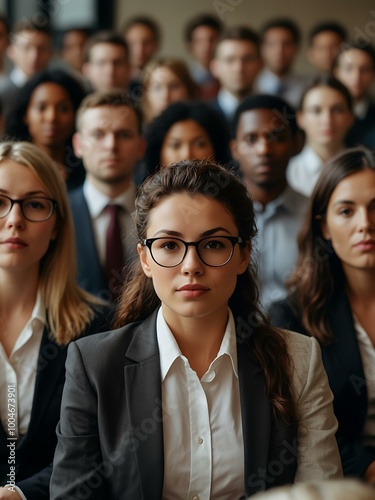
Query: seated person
{"points": [[355, 68], [325, 115], [264, 131], [332, 298], [194, 375], [326, 40], [41, 311]]}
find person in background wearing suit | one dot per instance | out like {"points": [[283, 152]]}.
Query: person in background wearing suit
{"points": [[197, 396], [41, 311], [280, 42], [110, 143], [30, 51], [355, 68], [236, 63], [106, 65], [326, 39], [333, 298]]}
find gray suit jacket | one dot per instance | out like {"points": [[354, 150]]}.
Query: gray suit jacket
{"points": [[110, 436]]}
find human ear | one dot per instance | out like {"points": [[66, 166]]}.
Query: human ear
{"points": [[143, 257], [244, 258]]}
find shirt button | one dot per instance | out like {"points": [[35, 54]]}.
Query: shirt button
{"points": [[200, 441]]}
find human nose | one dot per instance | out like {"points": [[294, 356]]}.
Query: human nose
{"points": [[263, 145], [50, 113], [109, 141], [366, 220], [15, 217], [192, 263]]}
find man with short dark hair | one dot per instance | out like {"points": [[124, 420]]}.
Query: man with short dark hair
{"points": [[236, 63], [325, 40], [142, 36], [110, 143], [354, 66], [30, 51], [280, 41], [264, 130], [201, 35], [107, 62]]}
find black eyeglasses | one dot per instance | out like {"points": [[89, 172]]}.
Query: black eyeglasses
{"points": [[34, 209], [214, 251]]}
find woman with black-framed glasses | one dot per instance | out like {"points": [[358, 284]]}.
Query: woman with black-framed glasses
{"points": [[41, 311], [197, 396]]}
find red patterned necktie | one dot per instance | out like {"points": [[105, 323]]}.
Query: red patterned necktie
{"points": [[114, 251]]}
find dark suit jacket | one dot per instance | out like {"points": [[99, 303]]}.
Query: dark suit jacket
{"points": [[110, 436], [34, 452], [363, 130], [343, 365], [91, 275]]}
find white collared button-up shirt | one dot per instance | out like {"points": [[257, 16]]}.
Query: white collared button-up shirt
{"points": [[202, 424]]}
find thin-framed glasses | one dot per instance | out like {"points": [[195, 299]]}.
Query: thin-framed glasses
{"points": [[34, 209], [214, 251]]}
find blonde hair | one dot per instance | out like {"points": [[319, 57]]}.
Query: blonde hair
{"points": [[69, 308], [179, 68]]}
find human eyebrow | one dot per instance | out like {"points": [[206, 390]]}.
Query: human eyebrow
{"points": [[28, 194], [177, 234], [343, 202]]}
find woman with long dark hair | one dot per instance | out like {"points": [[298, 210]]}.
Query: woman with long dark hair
{"points": [[333, 298], [197, 395]]}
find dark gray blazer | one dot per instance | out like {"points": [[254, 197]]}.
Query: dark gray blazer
{"points": [[110, 436]]}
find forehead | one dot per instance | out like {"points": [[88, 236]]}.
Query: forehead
{"points": [[50, 90], [262, 120], [31, 38], [163, 73], [355, 57], [327, 38], [235, 47], [185, 129], [358, 187], [188, 214], [203, 32], [139, 31], [278, 33], [108, 118], [323, 95], [107, 51], [23, 177]]}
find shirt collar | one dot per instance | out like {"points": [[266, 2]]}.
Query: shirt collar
{"points": [[227, 102], [282, 202], [169, 350], [97, 200], [36, 321], [361, 108], [18, 77]]}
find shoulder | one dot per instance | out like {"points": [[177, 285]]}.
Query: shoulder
{"points": [[76, 196], [284, 313]]}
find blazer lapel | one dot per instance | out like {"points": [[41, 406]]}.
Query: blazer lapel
{"points": [[143, 396], [256, 417], [49, 379]]}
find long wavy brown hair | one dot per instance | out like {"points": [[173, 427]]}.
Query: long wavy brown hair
{"points": [[318, 274], [139, 299]]}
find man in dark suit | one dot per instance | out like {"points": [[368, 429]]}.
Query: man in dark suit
{"points": [[30, 52], [236, 63], [355, 68], [110, 143]]}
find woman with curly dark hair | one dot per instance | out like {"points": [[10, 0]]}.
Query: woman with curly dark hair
{"points": [[43, 112]]}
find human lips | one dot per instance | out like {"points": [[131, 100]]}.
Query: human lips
{"points": [[365, 245], [192, 290], [15, 243]]}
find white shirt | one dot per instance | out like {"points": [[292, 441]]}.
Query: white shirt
{"points": [[228, 103], [361, 108], [303, 171], [96, 203], [367, 352], [202, 424], [290, 87], [18, 77], [19, 370]]}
